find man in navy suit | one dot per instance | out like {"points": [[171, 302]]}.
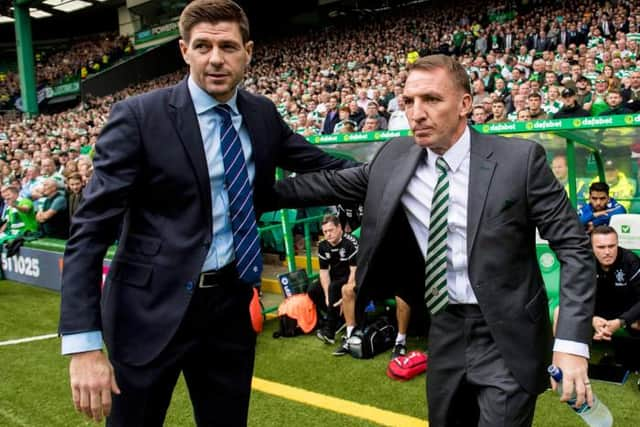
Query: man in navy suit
{"points": [[185, 171]]}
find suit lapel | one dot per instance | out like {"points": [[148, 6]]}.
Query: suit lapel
{"points": [[184, 116], [257, 134], [403, 168], [481, 170]]}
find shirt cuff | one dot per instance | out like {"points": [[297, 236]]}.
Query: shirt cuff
{"points": [[571, 347], [81, 342]]}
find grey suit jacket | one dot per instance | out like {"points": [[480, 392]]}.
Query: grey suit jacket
{"points": [[511, 192]]}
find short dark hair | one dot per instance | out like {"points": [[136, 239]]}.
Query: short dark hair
{"points": [[534, 95], [601, 187], [330, 219], [604, 229], [212, 11], [11, 188], [453, 68], [75, 175]]}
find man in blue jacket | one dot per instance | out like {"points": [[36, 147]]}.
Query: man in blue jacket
{"points": [[176, 299], [600, 208]]}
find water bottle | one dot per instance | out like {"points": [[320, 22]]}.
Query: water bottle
{"points": [[597, 415]]}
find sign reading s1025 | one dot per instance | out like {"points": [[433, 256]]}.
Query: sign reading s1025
{"points": [[24, 265]]}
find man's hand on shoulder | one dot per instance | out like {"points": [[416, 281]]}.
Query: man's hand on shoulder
{"points": [[92, 381], [574, 378]]}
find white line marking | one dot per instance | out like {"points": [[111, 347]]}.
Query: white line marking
{"points": [[23, 340]]}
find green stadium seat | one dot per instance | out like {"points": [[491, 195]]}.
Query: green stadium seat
{"points": [[550, 269], [274, 238]]}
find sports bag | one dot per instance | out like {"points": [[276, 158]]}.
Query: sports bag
{"points": [[404, 368], [375, 338], [288, 327], [297, 315]]}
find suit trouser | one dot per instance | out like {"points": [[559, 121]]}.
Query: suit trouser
{"points": [[214, 348], [468, 383]]}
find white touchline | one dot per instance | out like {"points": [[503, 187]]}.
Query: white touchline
{"points": [[29, 339]]}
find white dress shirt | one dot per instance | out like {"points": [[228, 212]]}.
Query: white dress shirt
{"points": [[416, 201], [417, 205]]}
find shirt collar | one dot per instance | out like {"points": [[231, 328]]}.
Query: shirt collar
{"points": [[203, 102], [456, 154]]}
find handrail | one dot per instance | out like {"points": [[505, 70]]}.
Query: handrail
{"points": [[307, 241], [287, 227], [288, 236]]}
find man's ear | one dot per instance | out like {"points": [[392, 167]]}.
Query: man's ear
{"points": [[184, 47], [248, 46], [465, 104]]}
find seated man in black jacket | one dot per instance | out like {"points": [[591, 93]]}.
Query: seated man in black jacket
{"points": [[570, 107], [631, 95], [617, 295], [614, 101]]}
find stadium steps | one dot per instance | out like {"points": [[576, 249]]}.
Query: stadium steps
{"points": [[301, 262], [270, 283]]}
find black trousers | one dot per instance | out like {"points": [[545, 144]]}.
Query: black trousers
{"points": [[316, 293], [468, 383], [627, 349], [214, 348]]}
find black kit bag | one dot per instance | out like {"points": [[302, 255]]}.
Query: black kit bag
{"points": [[375, 338]]}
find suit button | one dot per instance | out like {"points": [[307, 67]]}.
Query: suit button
{"points": [[189, 286]]}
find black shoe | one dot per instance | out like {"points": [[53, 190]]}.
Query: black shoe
{"points": [[326, 336], [399, 350], [343, 349]]}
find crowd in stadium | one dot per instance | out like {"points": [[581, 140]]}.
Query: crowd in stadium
{"points": [[544, 60], [81, 58], [539, 59], [585, 48]]}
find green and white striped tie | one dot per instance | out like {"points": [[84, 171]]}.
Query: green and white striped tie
{"points": [[435, 295]]}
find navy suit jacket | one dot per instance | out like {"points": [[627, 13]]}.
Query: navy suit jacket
{"points": [[151, 177]]}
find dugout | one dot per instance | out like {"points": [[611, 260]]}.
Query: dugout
{"points": [[587, 143]]}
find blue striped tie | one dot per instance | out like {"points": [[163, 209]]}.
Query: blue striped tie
{"points": [[243, 218]]}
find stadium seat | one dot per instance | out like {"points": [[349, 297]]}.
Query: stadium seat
{"points": [[628, 228], [273, 238]]}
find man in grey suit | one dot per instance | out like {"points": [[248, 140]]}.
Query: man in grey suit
{"points": [[465, 208]]}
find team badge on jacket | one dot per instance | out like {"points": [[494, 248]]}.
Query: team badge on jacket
{"points": [[620, 279]]}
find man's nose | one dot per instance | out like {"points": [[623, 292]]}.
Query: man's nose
{"points": [[216, 57], [419, 113]]}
